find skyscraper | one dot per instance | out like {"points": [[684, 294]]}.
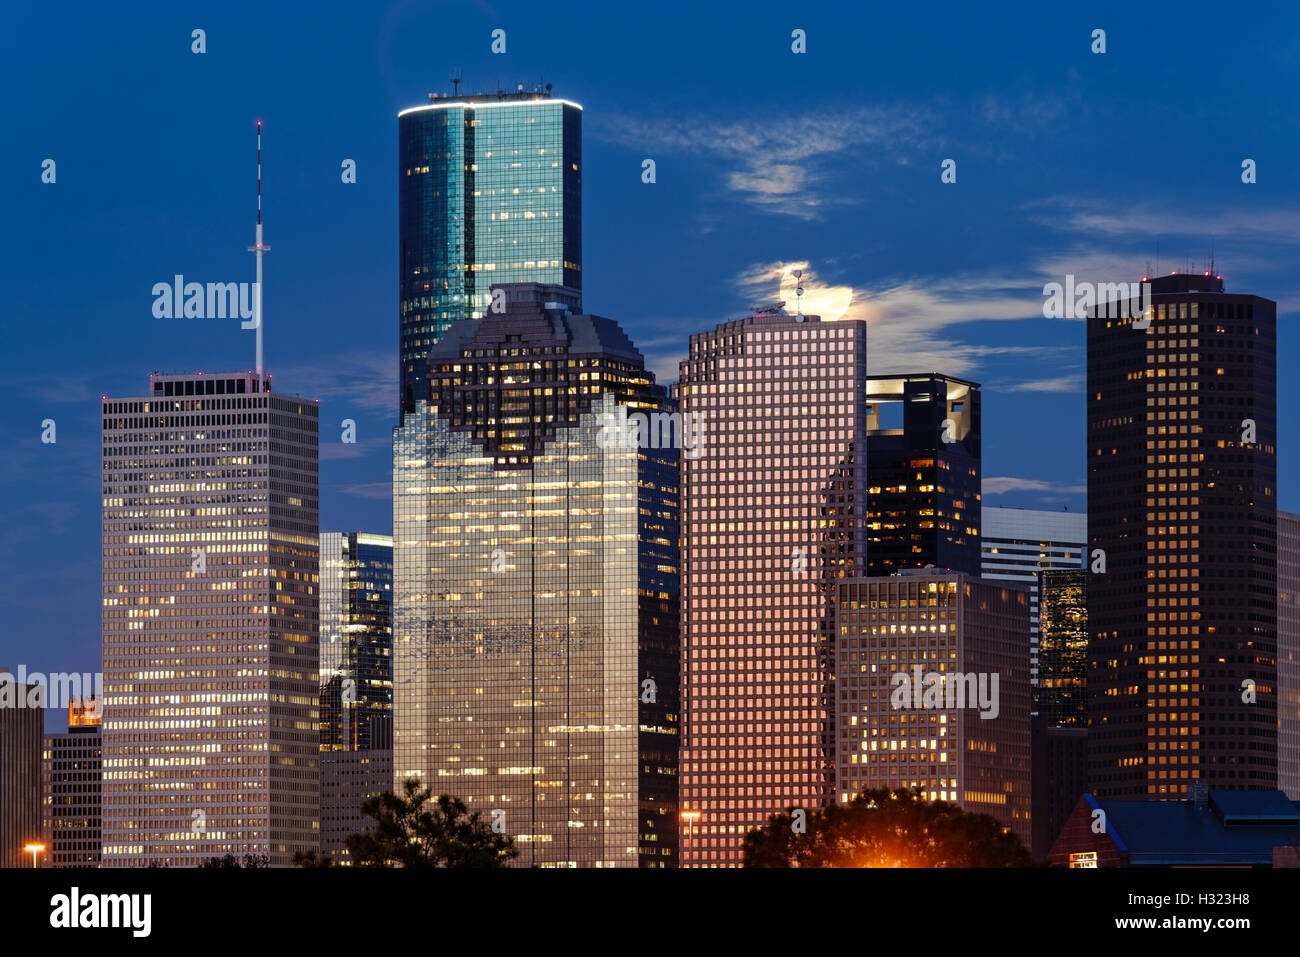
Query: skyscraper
{"points": [[536, 584], [356, 635], [1063, 648], [1288, 654], [490, 192], [73, 788], [923, 470], [1182, 586], [932, 691], [210, 603], [1017, 544], [772, 518], [22, 716]]}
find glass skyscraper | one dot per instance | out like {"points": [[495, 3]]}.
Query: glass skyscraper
{"points": [[490, 192], [356, 641], [535, 585], [210, 600]]}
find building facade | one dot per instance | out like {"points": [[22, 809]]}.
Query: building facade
{"points": [[772, 518], [73, 788], [356, 641], [349, 778], [1288, 654], [923, 467], [1182, 583], [22, 718], [489, 192], [536, 584], [210, 619], [932, 691], [1018, 544], [1063, 648]]}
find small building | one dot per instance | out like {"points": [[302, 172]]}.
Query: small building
{"points": [[1209, 829]]}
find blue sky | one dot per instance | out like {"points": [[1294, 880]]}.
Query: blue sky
{"points": [[1067, 162]]}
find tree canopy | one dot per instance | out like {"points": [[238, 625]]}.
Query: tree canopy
{"points": [[885, 828], [414, 829]]}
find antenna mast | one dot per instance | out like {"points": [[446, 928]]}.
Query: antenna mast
{"points": [[258, 249]]}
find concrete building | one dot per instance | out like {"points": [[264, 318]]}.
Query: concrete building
{"points": [[1182, 542], [210, 603], [1288, 654], [22, 719], [349, 778], [772, 518], [932, 691], [73, 788]]}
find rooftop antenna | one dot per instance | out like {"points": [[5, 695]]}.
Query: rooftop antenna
{"points": [[798, 292], [455, 84], [258, 249]]}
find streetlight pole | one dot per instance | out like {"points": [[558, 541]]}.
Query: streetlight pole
{"points": [[34, 849]]}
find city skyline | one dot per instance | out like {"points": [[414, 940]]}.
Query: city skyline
{"points": [[747, 193]]}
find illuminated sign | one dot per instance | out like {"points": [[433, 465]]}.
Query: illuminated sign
{"points": [[1084, 859]]}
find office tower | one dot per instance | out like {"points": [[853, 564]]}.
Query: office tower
{"points": [[1182, 583], [1060, 777], [1018, 543], [772, 517], [22, 718], [489, 192], [348, 779], [923, 470], [932, 691], [73, 792], [1063, 648], [1288, 654], [535, 584], [356, 641], [210, 604]]}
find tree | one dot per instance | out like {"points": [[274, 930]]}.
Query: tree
{"points": [[413, 829], [886, 828], [310, 859]]}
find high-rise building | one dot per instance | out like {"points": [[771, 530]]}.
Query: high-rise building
{"points": [[1060, 777], [923, 470], [1288, 654], [356, 641], [348, 779], [210, 604], [536, 584], [1017, 544], [489, 192], [1182, 583], [1063, 648], [932, 691], [22, 718], [73, 787], [772, 518]]}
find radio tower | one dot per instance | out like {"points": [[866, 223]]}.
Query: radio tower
{"points": [[258, 249]]}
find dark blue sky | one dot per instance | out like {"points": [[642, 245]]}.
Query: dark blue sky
{"points": [[1067, 162]]}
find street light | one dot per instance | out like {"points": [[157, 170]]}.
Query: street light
{"points": [[690, 817], [34, 849]]}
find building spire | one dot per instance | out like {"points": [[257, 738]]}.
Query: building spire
{"points": [[258, 249]]}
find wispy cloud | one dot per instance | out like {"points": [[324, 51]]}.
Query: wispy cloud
{"points": [[779, 163], [1001, 484], [1064, 383], [360, 380], [334, 450], [370, 489]]}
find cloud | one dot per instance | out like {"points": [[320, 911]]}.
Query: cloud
{"points": [[1064, 383], [358, 380], [378, 490], [334, 450], [1001, 484], [779, 163]]}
